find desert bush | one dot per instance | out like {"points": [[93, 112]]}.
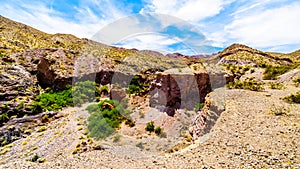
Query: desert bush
{"points": [[42, 128], [52, 101], [35, 158], [294, 98], [104, 89], [106, 117], [140, 145], [85, 91], [45, 118], [136, 85], [55, 100], [150, 126], [116, 138], [278, 111], [272, 72], [276, 85], [3, 117], [297, 82], [98, 126], [248, 84], [199, 106], [158, 130]]}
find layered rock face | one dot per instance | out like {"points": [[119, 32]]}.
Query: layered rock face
{"points": [[209, 114], [169, 92], [17, 88]]}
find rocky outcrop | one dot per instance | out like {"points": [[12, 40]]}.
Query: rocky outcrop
{"points": [[17, 88], [209, 114], [178, 91]]}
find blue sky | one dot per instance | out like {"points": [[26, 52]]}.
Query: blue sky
{"points": [[185, 26]]}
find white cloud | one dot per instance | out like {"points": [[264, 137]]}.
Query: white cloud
{"points": [[190, 10], [270, 27], [41, 16], [156, 42], [150, 41]]}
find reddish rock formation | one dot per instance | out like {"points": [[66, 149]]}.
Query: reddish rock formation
{"points": [[178, 91]]}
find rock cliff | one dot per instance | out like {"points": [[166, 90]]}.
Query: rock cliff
{"points": [[178, 91]]}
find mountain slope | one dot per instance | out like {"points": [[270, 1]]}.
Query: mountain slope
{"points": [[243, 53]]}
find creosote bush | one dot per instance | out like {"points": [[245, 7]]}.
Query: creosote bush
{"points": [[105, 117]]}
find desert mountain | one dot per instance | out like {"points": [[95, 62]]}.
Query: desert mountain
{"points": [[76, 103]]}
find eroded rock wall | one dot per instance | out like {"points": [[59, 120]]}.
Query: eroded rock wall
{"points": [[169, 92]]}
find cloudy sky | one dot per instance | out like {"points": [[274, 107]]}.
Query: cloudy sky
{"points": [[187, 26]]}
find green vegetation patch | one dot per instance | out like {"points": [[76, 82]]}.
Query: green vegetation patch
{"points": [[106, 117], [272, 72], [137, 85], [276, 85], [3, 117], [55, 100], [199, 106], [248, 84], [297, 82], [294, 98], [151, 128]]}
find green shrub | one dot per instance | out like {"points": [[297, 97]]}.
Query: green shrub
{"points": [[136, 85], [86, 91], [130, 122], [92, 108], [5, 106], [297, 82], [294, 98], [106, 117], [276, 85], [42, 128], [99, 127], [278, 111], [4, 117], [248, 84], [35, 158], [199, 106], [158, 130], [272, 72], [104, 89], [150, 126], [140, 145], [45, 118], [52, 101]]}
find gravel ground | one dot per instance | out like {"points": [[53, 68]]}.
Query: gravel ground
{"points": [[246, 135]]}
